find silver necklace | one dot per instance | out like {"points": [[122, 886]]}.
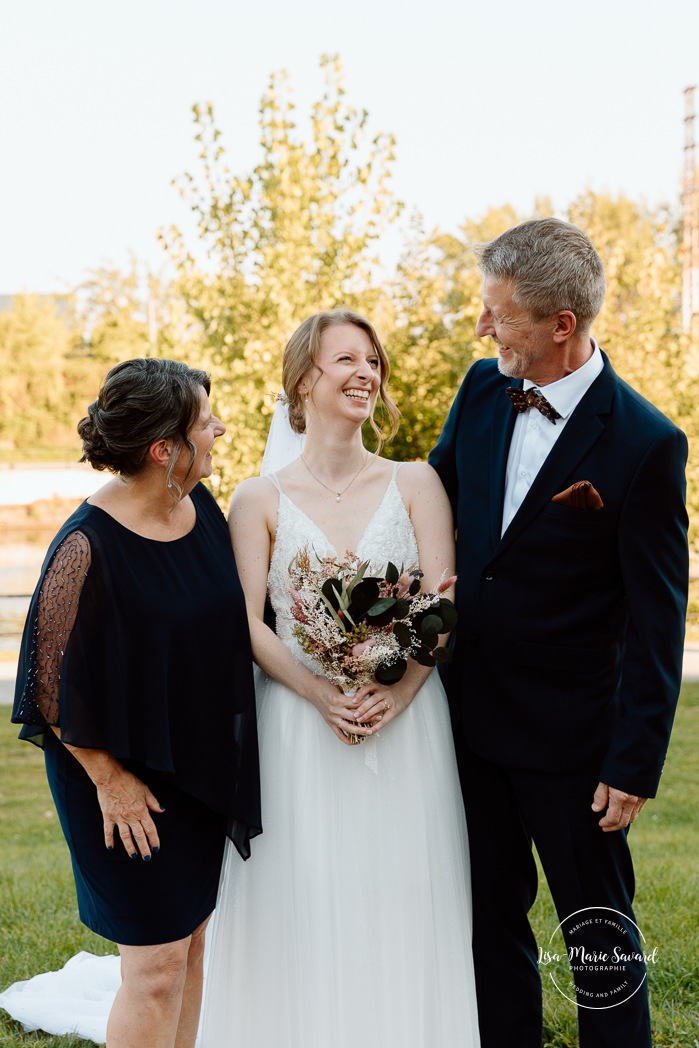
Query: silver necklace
{"points": [[338, 494]]}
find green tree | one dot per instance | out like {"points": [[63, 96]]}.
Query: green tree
{"points": [[434, 304], [297, 235], [36, 336], [132, 313], [55, 351], [640, 324]]}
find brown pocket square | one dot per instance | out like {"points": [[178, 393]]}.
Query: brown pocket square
{"points": [[581, 495]]}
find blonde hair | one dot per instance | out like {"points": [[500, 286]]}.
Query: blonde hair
{"points": [[301, 354]]}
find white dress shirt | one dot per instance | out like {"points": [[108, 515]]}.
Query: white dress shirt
{"points": [[534, 436]]}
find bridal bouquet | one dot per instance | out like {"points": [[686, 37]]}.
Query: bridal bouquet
{"points": [[360, 627]]}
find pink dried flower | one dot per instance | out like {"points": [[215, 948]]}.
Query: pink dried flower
{"points": [[362, 646], [297, 607], [402, 587]]}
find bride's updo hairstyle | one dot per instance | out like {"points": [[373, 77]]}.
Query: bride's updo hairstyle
{"points": [[301, 355], [142, 401]]}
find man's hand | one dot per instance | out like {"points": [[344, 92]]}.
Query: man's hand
{"points": [[622, 808]]}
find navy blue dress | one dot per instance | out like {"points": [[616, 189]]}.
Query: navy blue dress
{"points": [[141, 648]]}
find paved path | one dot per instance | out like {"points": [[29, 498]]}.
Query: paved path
{"points": [[8, 671]]}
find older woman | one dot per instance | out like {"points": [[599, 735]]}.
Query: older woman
{"points": [[135, 676]]}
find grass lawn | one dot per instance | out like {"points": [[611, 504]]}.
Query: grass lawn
{"points": [[665, 845], [39, 927]]}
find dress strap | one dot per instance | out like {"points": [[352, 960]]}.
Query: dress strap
{"points": [[396, 467], [275, 480]]}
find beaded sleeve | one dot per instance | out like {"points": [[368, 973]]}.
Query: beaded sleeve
{"points": [[56, 611]]}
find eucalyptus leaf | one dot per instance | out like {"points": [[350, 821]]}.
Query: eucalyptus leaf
{"points": [[381, 613], [447, 613], [432, 624], [403, 634], [442, 655], [364, 594], [391, 673]]}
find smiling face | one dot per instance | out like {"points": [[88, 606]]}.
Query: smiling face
{"points": [[202, 435], [525, 346], [346, 377]]}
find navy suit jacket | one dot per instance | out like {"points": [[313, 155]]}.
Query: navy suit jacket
{"points": [[568, 652]]}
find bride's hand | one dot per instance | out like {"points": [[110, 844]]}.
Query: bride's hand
{"points": [[379, 704], [337, 709]]}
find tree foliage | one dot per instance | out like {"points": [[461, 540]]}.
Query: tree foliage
{"points": [[640, 323], [296, 235], [434, 305], [134, 313], [36, 393], [300, 233]]}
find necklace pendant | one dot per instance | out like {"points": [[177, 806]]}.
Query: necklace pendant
{"points": [[337, 497]]}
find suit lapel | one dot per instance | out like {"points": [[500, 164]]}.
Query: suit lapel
{"points": [[584, 428], [503, 423]]}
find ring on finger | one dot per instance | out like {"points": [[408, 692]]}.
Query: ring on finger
{"points": [[385, 705]]}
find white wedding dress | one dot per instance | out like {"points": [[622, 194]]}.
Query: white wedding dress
{"points": [[350, 926]]}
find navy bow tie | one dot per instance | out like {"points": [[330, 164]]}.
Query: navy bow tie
{"points": [[532, 398]]}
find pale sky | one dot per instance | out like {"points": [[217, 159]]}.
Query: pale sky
{"points": [[492, 103]]}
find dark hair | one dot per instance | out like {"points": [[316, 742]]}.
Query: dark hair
{"points": [[142, 401], [553, 266], [302, 352]]}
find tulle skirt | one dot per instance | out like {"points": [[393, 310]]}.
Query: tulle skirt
{"points": [[350, 926], [75, 1000]]}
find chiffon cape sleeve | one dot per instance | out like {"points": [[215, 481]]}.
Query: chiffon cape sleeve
{"points": [[141, 648]]}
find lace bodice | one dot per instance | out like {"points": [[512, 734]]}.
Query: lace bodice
{"points": [[388, 536]]}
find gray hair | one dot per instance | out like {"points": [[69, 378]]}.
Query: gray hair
{"points": [[552, 265]]}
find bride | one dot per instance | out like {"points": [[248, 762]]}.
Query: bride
{"points": [[351, 926]]}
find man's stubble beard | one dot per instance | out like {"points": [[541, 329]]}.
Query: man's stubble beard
{"points": [[516, 367], [520, 363]]}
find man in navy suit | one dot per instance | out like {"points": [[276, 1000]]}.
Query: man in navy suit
{"points": [[572, 580]]}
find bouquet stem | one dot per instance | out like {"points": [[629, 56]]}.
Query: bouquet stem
{"points": [[352, 736]]}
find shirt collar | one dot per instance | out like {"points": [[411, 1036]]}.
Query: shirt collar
{"points": [[566, 393]]}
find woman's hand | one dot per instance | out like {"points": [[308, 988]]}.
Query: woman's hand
{"points": [[379, 704], [338, 710], [126, 803]]}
